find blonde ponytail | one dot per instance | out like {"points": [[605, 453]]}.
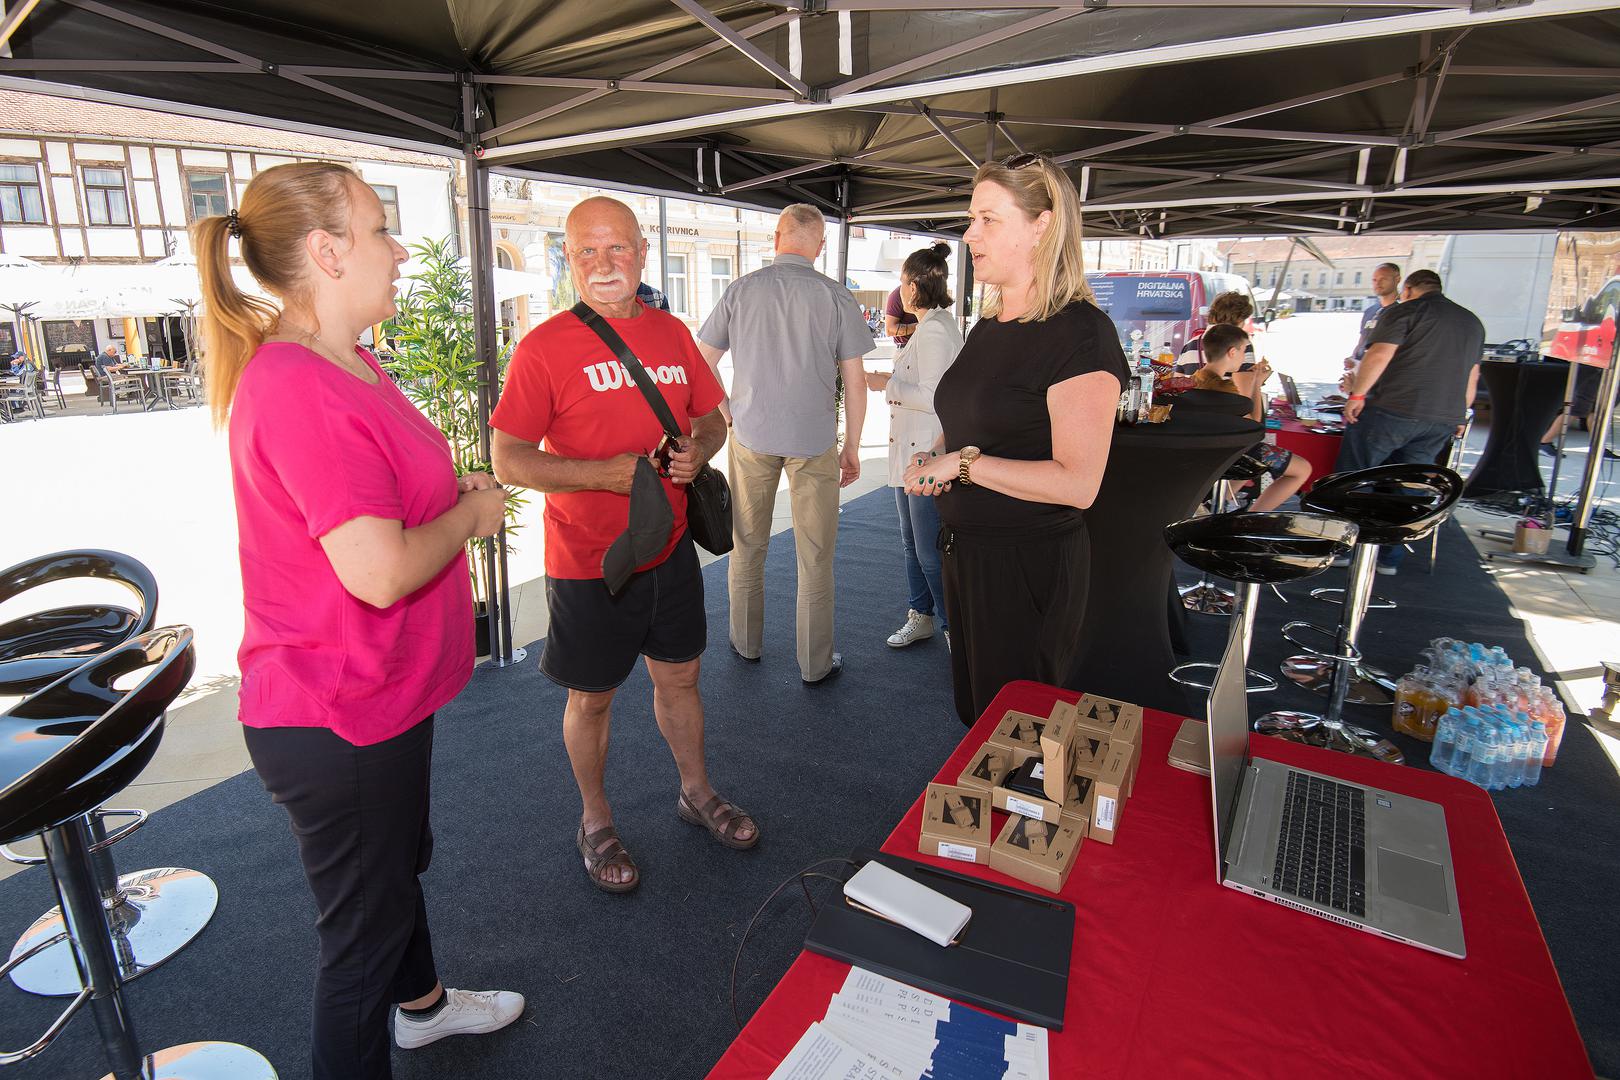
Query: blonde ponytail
{"points": [[280, 207]]}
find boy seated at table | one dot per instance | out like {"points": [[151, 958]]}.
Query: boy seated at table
{"points": [[1223, 354]]}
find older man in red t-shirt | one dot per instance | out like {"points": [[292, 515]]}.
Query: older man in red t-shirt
{"points": [[571, 423]]}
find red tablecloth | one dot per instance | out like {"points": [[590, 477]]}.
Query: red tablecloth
{"points": [[1319, 448], [1176, 976]]}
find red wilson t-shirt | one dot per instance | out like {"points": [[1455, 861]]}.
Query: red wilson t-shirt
{"points": [[567, 393]]}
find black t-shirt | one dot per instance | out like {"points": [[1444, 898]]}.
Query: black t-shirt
{"points": [[1437, 343], [994, 397]]}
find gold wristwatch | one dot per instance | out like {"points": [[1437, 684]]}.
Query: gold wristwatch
{"points": [[969, 455]]}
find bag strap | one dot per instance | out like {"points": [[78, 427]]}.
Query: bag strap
{"points": [[610, 337]]}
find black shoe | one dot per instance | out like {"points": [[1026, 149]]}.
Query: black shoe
{"points": [[1550, 450], [740, 656], [832, 672]]}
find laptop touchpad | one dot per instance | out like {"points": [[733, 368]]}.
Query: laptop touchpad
{"points": [[1415, 881]]}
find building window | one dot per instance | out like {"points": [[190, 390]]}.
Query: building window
{"points": [[1321, 280], [20, 198], [389, 194], [676, 265], [1358, 277], [719, 275], [209, 195], [106, 200], [1338, 277]]}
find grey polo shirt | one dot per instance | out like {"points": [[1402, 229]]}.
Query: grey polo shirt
{"points": [[1437, 343], [786, 326]]}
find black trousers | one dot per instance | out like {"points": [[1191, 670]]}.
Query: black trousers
{"points": [[1015, 605], [360, 814]]}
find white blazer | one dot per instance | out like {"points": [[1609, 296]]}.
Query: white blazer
{"points": [[913, 427]]}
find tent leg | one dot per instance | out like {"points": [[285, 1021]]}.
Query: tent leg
{"points": [[1602, 417], [480, 256], [843, 231]]}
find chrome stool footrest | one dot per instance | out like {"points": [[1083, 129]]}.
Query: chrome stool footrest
{"points": [[1309, 730], [1207, 598], [1368, 686], [1259, 683], [1336, 596], [1350, 655]]}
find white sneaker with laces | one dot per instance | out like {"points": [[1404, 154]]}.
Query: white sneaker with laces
{"points": [[918, 627], [465, 1012]]}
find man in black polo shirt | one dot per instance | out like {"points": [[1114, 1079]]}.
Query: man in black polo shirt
{"points": [[1411, 392]]}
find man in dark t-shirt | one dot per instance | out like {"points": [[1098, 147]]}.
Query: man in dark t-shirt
{"points": [[1411, 392]]}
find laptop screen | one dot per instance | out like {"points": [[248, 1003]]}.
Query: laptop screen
{"points": [[1228, 740]]}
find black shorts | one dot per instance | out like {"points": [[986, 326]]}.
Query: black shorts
{"points": [[595, 637]]}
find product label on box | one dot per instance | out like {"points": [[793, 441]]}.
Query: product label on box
{"points": [[1015, 805], [957, 851], [1106, 809], [1038, 771]]}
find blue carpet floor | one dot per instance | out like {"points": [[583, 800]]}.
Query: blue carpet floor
{"points": [[637, 986]]}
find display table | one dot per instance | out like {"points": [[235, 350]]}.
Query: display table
{"points": [[1320, 448], [1525, 399], [1156, 474], [1176, 976]]}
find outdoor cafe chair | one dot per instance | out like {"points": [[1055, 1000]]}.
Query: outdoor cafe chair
{"points": [[22, 397], [116, 387]]}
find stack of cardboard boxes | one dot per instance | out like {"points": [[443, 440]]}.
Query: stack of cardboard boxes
{"points": [[1061, 778]]}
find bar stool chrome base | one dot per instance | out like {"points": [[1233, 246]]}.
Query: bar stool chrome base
{"points": [[205, 1061], [1259, 683], [1368, 686], [157, 913], [1311, 730], [1208, 598], [1336, 596]]}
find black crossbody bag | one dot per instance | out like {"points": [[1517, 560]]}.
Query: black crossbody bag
{"points": [[708, 496]]}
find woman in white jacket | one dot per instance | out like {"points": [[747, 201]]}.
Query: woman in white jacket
{"points": [[914, 431]]}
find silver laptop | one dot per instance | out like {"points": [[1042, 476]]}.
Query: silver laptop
{"points": [[1366, 858]]}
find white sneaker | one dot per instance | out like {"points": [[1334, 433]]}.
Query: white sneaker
{"points": [[918, 626], [465, 1012]]}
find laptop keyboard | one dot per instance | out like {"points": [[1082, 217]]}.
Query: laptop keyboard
{"points": [[1321, 849]]}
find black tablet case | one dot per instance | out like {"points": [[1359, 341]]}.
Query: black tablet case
{"points": [[1012, 958]]}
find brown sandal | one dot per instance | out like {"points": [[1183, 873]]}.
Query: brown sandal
{"points": [[722, 819], [613, 854]]}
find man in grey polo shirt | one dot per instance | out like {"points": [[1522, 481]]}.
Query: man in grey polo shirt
{"points": [[790, 330], [1411, 392]]}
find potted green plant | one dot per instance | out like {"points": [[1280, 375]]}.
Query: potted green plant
{"points": [[430, 354]]}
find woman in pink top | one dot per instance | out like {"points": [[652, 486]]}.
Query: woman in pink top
{"points": [[353, 529]]}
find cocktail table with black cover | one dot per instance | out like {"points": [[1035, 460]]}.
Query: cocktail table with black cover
{"points": [[1156, 474], [1525, 399], [65, 750]]}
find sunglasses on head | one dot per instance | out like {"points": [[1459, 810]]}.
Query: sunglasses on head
{"points": [[1020, 161]]}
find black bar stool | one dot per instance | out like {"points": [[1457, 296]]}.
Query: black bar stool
{"points": [[64, 751], [1255, 550], [153, 913], [1206, 597], [1392, 504]]}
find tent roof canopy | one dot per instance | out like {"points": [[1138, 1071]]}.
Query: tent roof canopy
{"points": [[1176, 117]]}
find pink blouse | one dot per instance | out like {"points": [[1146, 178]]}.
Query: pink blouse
{"points": [[312, 447]]}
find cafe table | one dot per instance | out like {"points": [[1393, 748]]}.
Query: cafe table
{"points": [[1315, 445], [1173, 975]]}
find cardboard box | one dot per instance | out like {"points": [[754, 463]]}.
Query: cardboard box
{"points": [[987, 768], [1038, 852], [1110, 791], [1018, 731], [955, 824], [1057, 748], [1110, 718], [1024, 803]]}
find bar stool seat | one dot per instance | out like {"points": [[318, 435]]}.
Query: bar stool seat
{"points": [[154, 912], [63, 752], [1254, 550], [1206, 597], [1391, 504]]}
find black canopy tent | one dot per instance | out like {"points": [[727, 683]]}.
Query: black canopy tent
{"points": [[1176, 117]]}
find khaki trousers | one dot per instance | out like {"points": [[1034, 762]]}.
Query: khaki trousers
{"points": [[813, 489]]}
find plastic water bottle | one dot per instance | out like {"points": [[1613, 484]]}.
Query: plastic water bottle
{"points": [[1445, 740], [1487, 747], [1538, 748], [1512, 771], [1468, 744]]}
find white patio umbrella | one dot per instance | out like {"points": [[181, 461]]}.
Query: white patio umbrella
{"points": [[509, 284], [25, 285]]}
